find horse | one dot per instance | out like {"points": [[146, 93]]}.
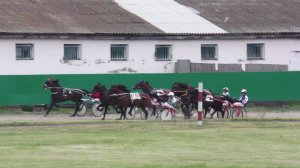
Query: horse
{"points": [[141, 100], [159, 94], [106, 100], [61, 94], [188, 96], [119, 97]]}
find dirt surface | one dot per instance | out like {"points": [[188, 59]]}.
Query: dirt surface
{"points": [[65, 117]]}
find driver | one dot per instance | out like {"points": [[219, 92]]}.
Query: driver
{"points": [[243, 99]]}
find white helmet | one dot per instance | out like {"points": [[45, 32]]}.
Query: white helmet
{"points": [[243, 90], [171, 94], [226, 88]]}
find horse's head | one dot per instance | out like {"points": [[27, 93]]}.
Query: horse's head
{"points": [[142, 85], [99, 88], [50, 83], [176, 86], [123, 88]]}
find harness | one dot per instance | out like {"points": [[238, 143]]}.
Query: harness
{"points": [[185, 93]]}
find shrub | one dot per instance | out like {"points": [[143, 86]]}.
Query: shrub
{"points": [[27, 108]]}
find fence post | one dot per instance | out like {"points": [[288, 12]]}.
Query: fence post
{"points": [[200, 103]]}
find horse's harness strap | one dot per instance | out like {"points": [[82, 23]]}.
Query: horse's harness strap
{"points": [[185, 92], [120, 94]]}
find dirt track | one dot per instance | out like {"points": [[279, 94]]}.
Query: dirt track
{"points": [[65, 117]]}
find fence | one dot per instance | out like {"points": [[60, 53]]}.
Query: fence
{"points": [[261, 86], [186, 66]]}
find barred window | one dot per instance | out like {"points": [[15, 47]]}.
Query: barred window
{"points": [[163, 52], [209, 52], [24, 51], [255, 51], [72, 52], [119, 52]]}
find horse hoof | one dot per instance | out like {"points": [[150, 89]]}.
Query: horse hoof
{"points": [[72, 115], [45, 115]]}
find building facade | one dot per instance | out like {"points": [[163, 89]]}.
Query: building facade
{"points": [[151, 36]]}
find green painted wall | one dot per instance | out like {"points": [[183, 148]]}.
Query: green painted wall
{"points": [[262, 86]]}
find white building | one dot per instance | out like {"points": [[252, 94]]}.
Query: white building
{"points": [[149, 36]]}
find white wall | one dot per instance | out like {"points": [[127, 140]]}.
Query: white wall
{"points": [[96, 55]]}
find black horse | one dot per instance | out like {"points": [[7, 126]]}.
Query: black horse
{"points": [[61, 94], [188, 96], [216, 104]]}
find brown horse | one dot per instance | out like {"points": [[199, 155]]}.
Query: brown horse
{"points": [[159, 94], [106, 99], [188, 96], [119, 97], [61, 94]]}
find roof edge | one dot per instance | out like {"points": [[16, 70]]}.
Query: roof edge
{"points": [[150, 36]]}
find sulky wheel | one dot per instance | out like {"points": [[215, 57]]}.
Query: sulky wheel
{"points": [[82, 110], [166, 115], [97, 110], [130, 112]]}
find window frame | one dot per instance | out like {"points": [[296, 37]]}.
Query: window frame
{"points": [[125, 52], [169, 56], [215, 46], [262, 51], [78, 50], [31, 50]]}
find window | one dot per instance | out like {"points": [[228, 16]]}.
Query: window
{"points": [[209, 52], [72, 52], [255, 51], [24, 51], [118, 52], [163, 52]]}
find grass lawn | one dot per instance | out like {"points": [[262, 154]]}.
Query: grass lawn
{"points": [[135, 144]]}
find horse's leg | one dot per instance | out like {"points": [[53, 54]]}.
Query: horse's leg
{"points": [[77, 106], [49, 108], [124, 112], [187, 111], [145, 112], [105, 111], [183, 110], [212, 114]]}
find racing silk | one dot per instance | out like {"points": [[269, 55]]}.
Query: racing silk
{"points": [[243, 99], [96, 95]]}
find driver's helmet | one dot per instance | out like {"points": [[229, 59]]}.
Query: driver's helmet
{"points": [[243, 91], [171, 94], [226, 88], [141, 81]]}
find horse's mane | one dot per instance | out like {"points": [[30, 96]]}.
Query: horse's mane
{"points": [[100, 86], [56, 82], [122, 87], [183, 85]]}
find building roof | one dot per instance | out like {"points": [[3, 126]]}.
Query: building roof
{"points": [[149, 16]]}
